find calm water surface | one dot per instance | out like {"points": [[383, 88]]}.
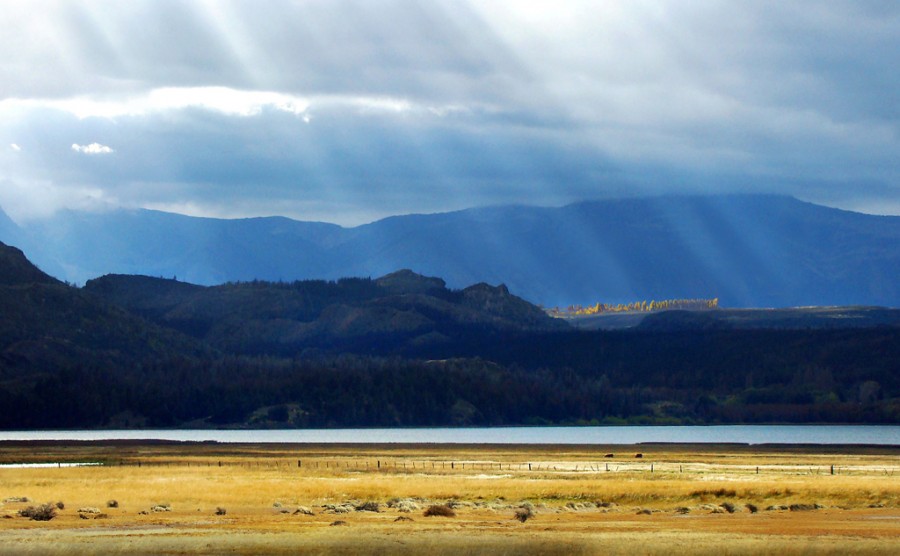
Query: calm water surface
{"points": [[746, 434]]}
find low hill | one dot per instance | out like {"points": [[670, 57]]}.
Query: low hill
{"points": [[17, 270], [47, 324], [351, 314]]}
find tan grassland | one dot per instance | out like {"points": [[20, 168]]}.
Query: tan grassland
{"points": [[675, 499]]}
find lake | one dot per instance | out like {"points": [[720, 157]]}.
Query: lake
{"points": [[744, 434]]}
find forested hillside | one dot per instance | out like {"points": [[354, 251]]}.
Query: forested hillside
{"points": [[403, 350], [390, 315]]}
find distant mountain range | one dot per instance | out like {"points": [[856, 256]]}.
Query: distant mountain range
{"points": [[747, 250]]}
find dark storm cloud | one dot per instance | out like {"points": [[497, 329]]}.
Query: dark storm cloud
{"points": [[358, 109]]}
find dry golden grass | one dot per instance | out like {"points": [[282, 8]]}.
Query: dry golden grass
{"points": [[256, 483]]}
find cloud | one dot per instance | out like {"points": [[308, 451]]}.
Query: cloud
{"points": [[93, 148], [15, 147], [350, 107], [39, 199]]}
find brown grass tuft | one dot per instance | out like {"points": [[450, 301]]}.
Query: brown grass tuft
{"points": [[440, 510]]}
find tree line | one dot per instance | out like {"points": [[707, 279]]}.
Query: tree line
{"points": [[524, 379], [636, 307]]}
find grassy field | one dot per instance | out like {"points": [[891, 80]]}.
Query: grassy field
{"points": [[207, 498]]}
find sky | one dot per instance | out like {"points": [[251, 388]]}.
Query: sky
{"points": [[348, 111]]}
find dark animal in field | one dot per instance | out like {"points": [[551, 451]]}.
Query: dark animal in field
{"points": [[639, 455]]}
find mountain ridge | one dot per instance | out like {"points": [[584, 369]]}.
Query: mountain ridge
{"points": [[747, 250]]}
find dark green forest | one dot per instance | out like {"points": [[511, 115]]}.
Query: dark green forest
{"points": [[403, 350]]}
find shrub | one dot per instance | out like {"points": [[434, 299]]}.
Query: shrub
{"points": [[112, 504], [718, 493], [728, 506], [342, 508], [440, 510], [44, 512], [60, 506], [524, 514], [803, 507], [368, 507], [407, 506], [752, 508], [220, 511]]}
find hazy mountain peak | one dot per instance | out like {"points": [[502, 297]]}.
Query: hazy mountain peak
{"points": [[747, 250]]}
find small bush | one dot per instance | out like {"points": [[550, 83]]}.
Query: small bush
{"points": [[368, 507], [524, 514], [440, 510], [718, 493], [803, 507], [220, 511], [112, 504], [338, 523], [407, 507], [728, 507], [44, 512], [342, 508], [752, 508], [60, 506]]}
